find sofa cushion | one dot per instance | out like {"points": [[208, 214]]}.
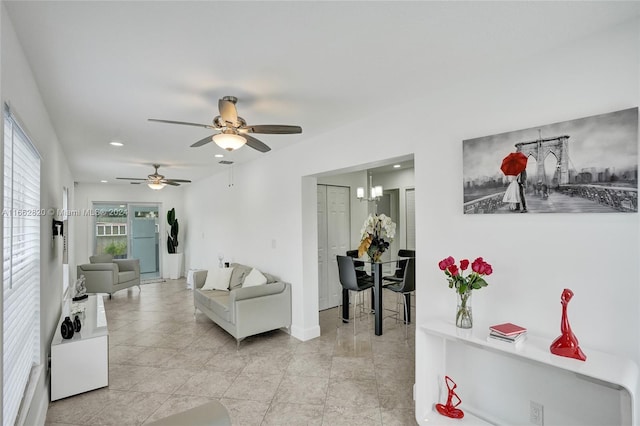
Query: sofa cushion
{"points": [[101, 258], [215, 300], [238, 275], [218, 279], [270, 278], [254, 278], [126, 276]]}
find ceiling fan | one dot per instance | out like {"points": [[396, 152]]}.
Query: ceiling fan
{"points": [[234, 131], [156, 181]]}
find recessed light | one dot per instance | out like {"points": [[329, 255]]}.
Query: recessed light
{"points": [[116, 143], [104, 181], [218, 155], [396, 166]]}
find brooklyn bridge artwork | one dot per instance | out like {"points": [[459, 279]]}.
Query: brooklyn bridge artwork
{"points": [[586, 165]]}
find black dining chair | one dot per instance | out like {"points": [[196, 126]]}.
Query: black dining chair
{"points": [[350, 281], [397, 276], [405, 287], [358, 264]]}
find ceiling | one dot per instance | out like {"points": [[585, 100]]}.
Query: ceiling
{"points": [[104, 68]]}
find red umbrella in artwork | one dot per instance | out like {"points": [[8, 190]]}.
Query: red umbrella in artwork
{"points": [[513, 164]]}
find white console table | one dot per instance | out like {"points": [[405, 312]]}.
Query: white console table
{"points": [[81, 364], [496, 381]]}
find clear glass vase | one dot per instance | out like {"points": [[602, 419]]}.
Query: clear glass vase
{"points": [[375, 254], [464, 316]]}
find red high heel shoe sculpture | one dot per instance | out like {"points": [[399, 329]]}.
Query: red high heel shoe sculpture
{"points": [[450, 410], [567, 343]]}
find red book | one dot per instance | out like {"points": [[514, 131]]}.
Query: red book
{"points": [[507, 329]]}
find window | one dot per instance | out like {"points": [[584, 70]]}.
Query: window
{"points": [[103, 229], [21, 265]]}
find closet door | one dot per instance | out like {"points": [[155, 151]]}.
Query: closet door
{"points": [[338, 224], [333, 238], [323, 256]]}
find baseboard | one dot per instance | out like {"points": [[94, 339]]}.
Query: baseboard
{"points": [[36, 412], [305, 334]]}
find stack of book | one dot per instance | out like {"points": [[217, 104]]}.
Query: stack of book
{"points": [[507, 333]]}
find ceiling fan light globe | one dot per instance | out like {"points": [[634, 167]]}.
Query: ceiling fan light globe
{"points": [[229, 141], [156, 186]]}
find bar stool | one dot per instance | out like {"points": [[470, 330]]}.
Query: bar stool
{"points": [[350, 281], [403, 289]]}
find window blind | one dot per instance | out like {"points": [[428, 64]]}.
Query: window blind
{"points": [[21, 265]]}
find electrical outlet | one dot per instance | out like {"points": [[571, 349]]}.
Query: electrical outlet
{"points": [[536, 413]]}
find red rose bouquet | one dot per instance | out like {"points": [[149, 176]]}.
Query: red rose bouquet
{"points": [[474, 280], [464, 285]]}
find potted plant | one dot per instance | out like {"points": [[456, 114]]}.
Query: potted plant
{"points": [[174, 258], [172, 234]]}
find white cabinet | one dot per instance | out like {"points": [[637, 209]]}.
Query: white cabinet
{"points": [[497, 382], [81, 363]]}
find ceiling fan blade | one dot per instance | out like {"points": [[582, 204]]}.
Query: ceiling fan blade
{"points": [[206, 126], [256, 144], [273, 129], [177, 180], [170, 182], [202, 141], [131, 178], [228, 111]]}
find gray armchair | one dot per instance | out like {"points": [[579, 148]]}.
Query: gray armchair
{"points": [[107, 275]]}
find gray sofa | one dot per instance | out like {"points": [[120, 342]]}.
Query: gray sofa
{"points": [[104, 274], [243, 312]]}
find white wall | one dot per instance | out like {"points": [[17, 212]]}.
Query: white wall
{"points": [[594, 254], [87, 194], [21, 92]]}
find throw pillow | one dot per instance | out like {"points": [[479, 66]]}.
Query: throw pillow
{"points": [[254, 278], [239, 273], [270, 278], [218, 279]]}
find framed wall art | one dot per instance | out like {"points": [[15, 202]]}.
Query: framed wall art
{"points": [[586, 165]]}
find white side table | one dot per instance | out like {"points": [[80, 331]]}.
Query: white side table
{"points": [[570, 388], [81, 363]]}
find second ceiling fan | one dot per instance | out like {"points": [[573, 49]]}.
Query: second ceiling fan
{"points": [[156, 181], [234, 131]]}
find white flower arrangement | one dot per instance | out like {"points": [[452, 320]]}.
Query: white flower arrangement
{"points": [[378, 231]]}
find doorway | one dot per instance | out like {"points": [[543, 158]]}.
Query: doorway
{"points": [[126, 230], [145, 241], [389, 206]]}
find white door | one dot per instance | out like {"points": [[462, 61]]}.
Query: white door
{"points": [[411, 218], [323, 296], [333, 239]]}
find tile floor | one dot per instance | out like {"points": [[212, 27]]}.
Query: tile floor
{"points": [[163, 360]]}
